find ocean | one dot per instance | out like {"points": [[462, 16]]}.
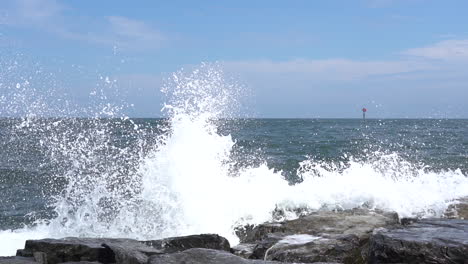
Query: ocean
{"points": [[150, 178], [201, 170]]}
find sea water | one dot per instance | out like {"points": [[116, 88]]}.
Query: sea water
{"points": [[202, 169]]}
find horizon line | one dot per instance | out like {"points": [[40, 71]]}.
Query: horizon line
{"points": [[161, 117]]}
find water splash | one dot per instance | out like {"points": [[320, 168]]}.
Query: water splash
{"points": [[184, 180], [194, 168]]}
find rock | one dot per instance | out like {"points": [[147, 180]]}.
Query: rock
{"points": [[325, 236], [40, 257], [176, 244], [251, 234], [81, 262], [69, 249], [24, 253], [425, 241], [204, 256], [458, 210], [106, 250], [261, 248], [17, 260], [244, 250], [307, 248], [102, 250], [130, 251]]}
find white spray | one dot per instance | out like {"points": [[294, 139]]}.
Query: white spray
{"points": [[187, 184]]}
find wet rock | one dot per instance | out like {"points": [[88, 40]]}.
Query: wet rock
{"points": [[306, 248], [355, 221], [244, 250], [80, 262], [69, 249], [176, 244], [458, 210], [204, 256], [425, 241], [106, 250], [130, 251], [40, 257], [325, 236], [408, 220], [252, 233], [17, 260], [24, 253], [261, 248]]}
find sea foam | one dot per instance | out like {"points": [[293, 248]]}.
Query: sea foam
{"points": [[189, 183]]}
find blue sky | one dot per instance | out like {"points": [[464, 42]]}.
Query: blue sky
{"points": [[399, 58]]}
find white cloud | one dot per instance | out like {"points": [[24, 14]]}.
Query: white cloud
{"points": [[380, 3], [387, 3], [444, 50], [38, 10], [29, 12], [120, 32], [417, 62], [47, 15], [130, 32], [329, 69], [129, 28]]}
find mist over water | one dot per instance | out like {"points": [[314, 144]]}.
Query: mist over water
{"points": [[201, 171]]}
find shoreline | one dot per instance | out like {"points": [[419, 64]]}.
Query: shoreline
{"points": [[348, 236]]}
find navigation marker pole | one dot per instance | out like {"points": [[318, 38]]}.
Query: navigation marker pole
{"points": [[364, 110]]}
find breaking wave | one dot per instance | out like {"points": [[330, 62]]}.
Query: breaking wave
{"points": [[184, 179]]}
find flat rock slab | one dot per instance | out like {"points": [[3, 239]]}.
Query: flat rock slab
{"points": [[425, 241], [176, 244], [109, 250], [204, 256], [17, 260], [306, 248], [81, 262], [70, 249], [325, 236], [355, 221], [130, 251]]}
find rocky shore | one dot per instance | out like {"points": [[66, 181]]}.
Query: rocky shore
{"points": [[348, 236]]}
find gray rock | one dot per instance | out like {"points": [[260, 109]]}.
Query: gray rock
{"points": [[325, 236], [203, 256], [102, 250], [261, 248], [81, 262], [106, 250], [134, 252], [425, 241], [130, 251], [17, 260], [244, 250], [176, 244], [342, 248], [24, 253], [459, 210], [355, 221], [69, 249], [40, 257]]}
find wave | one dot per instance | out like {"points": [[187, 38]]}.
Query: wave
{"points": [[186, 181]]}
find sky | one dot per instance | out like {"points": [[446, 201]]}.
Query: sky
{"points": [[301, 59]]}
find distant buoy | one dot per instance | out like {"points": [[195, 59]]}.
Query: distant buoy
{"points": [[364, 110]]}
